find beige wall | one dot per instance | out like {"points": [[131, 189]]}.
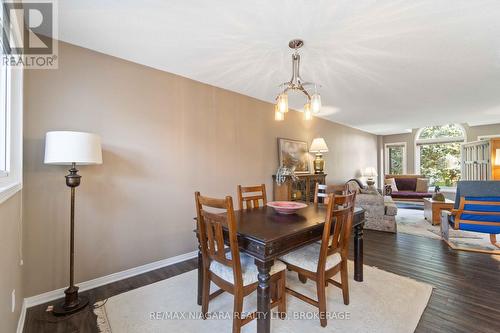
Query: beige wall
{"points": [[164, 137], [410, 149], [472, 133], [10, 257]]}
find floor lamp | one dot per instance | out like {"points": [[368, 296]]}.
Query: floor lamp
{"points": [[72, 148]]}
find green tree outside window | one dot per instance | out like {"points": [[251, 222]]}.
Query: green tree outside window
{"points": [[440, 162]]}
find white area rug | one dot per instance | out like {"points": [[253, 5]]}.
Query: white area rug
{"points": [[383, 303], [412, 221]]}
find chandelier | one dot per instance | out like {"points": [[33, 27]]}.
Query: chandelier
{"points": [[313, 103]]}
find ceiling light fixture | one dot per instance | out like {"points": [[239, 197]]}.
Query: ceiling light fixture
{"points": [[313, 104]]}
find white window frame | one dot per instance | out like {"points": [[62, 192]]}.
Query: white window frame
{"points": [[11, 178], [420, 142], [386, 154], [4, 121]]}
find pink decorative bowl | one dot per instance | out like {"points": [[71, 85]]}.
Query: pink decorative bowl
{"points": [[286, 207]]}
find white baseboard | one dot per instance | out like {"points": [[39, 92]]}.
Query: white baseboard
{"points": [[100, 281]]}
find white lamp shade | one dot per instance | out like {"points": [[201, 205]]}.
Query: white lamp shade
{"points": [[318, 146], [369, 172], [65, 148]]}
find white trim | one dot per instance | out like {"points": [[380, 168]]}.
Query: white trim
{"points": [[14, 136], [22, 318], [9, 190], [447, 139], [487, 137], [386, 154], [100, 281], [416, 159]]}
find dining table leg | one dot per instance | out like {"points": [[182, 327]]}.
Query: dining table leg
{"points": [[263, 296], [358, 252]]}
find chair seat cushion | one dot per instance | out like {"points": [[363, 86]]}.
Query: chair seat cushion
{"points": [[307, 258], [248, 269], [483, 228]]}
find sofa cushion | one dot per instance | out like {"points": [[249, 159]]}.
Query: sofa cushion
{"points": [[411, 195], [390, 206], [406, 184], [391, 210], [422, 185], [373, 191]]}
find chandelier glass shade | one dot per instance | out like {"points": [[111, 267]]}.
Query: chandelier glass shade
{"points": [[283, 103], [278, 116], [307, 112], [313, 102]]}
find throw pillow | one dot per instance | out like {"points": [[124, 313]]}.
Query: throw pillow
{"points": [[422, 185], [392, 182]]}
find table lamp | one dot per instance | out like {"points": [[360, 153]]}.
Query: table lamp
{"points": [[319, 147], [72, 148], [370, 173]]}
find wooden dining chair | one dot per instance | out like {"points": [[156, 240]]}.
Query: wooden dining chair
{"points": [[320, 262], [322, 190], [252, 201], [231, 271]]}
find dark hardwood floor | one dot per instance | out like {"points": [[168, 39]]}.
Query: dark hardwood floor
{"points": [[466, 297]]}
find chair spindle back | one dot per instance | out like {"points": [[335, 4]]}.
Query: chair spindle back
{"points": [[210, 232], [340, 212], [251, 201]]}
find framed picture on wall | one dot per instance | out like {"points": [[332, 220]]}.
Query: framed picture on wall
{"points": [[293, 153]]}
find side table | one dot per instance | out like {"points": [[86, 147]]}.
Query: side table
{"points": [[433, 208]]}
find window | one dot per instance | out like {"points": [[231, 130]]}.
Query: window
{"points": [[11, 136], [4, 120], [395, 158], [437, 153]]}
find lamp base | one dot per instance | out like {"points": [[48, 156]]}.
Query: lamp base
{"points": [[371, 185], [319, 164], [72, 303]]}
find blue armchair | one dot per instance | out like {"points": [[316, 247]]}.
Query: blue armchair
{"points": [[477, 209]]}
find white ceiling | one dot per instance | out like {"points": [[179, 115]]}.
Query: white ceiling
{"points": [[384, 66]]}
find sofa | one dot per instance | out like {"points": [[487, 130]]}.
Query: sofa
{"points": [[380, 210], [406, 188]]}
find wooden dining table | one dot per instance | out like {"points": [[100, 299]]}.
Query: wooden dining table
{"points": [[266, 235]]}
